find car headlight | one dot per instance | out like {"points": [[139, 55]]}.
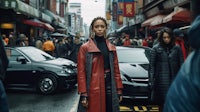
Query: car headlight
{"points": [[123, 78], [66, 70]]}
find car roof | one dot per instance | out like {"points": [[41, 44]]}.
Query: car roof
{"points": [[132, 47], [21, 47]]}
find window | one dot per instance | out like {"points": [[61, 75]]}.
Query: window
{"points": [[12, 54]]}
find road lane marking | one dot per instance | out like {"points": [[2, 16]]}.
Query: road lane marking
{"points": [[148, 108], [125, 109]]}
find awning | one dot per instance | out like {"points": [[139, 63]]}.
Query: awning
{"points": [[59, 21], [20, 7], [156, 20], [179, 14], [37, 23], [58, 35]]}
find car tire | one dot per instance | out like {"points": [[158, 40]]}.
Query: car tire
{"points": [[47, 84]]}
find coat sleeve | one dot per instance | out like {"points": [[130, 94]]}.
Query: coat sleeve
{"points": [[81, 77], [117, 73], [152, 64]]}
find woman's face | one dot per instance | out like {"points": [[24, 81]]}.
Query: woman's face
{"points": [[166, 38], [99, 27]]}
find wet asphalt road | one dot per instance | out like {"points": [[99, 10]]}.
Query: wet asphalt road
{"points": [[64, 101], [29, 101]]}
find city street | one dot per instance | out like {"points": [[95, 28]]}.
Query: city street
{"points": [[64, 101], [28, 101], [137, 47]]}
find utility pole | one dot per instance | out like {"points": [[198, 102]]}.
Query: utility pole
{"points": [[136, 12]]}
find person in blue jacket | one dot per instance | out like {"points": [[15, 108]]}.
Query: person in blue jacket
{"points": [[184, 93]]}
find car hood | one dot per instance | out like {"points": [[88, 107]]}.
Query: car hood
{"points": [[133, 70], [60, 61]]}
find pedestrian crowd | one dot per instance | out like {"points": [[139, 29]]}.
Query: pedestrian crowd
{"points": [[64, 47]]}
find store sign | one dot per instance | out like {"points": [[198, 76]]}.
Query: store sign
{"points": [[128, 8], [120, 19], [120, 4]]}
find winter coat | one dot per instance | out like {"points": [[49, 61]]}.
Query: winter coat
{"points": [[3, 60], [74, 52], [164, 65], [183, 95], [96, 92]]}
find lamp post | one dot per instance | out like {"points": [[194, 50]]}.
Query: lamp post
{"points": [[136, 12]]}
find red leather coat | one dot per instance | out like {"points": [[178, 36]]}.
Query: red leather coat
{"points": [[96, 93]]}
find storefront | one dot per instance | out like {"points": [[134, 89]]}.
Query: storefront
{"points": [[24, 19]]}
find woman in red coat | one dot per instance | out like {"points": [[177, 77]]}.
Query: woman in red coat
{"points": [[99, 82]]}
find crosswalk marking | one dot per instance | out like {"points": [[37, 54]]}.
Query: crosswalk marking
{"points": [[125, 109], [148, 108]]}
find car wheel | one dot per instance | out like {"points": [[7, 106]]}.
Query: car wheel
{"points": [[47, 84]]}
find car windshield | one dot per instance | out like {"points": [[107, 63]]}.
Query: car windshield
{"points": [[132, 56], [37, 55]]}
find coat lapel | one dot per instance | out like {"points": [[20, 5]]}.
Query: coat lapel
{"points": [[93, 47]]}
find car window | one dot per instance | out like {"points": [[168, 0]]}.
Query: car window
{"points": [[37, 55], [132, 56], [12, 54]]}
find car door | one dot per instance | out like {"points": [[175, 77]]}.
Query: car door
{"points": [[19, 72]]}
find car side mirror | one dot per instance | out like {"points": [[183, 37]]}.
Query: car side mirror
{"points": [[21, 59]]}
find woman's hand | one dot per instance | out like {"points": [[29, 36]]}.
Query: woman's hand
{"points": [[84, 101], [120, 98]]}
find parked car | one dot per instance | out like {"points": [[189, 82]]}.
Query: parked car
{"points": [[134, 65], [30, 67]]}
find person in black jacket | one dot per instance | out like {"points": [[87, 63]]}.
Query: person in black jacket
{"points": [[184, 93], [75, 48], [166, 59], [3, 67]]}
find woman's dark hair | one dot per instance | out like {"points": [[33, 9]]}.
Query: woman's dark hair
{"points": [[169, 31], [94, 20], [98, 18]]}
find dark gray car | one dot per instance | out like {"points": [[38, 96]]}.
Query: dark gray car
{"points": [[30, 67], [134, 67]]}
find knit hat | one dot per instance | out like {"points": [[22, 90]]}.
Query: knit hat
{"points": [[194, 33]]}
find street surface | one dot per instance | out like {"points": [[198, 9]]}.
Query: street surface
{"points": [[64, 101], [23, 101]]}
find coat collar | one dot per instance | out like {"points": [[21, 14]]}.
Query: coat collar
{"points": [[93, 48]]}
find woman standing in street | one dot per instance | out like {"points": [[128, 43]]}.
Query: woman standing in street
{"points": [[166, 60], [99, 82]]}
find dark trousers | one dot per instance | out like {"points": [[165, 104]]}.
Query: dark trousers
{"points": [[108, 92], [3, 99]]}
